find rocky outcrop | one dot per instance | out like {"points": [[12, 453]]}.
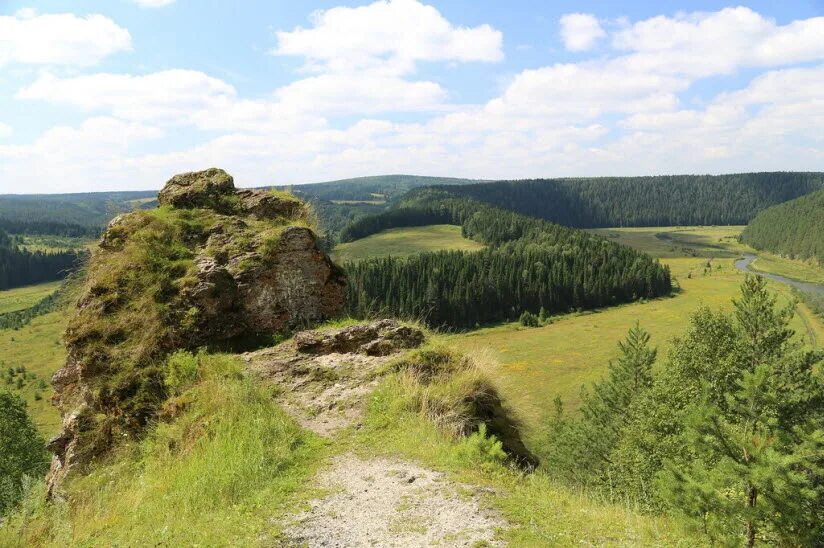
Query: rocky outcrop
{"points": [[326, 375], [213, 266], [215, 189], [373, 339]]}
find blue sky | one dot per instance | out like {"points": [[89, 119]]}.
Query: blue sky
{"points": [[122, 94]]}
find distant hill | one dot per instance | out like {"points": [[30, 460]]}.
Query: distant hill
{"points": [[65, 214], [794, 229], [634, 201], [371, 189], [85, 214]]}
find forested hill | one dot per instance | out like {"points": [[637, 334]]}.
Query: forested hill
{"points": [[65, 214], [529, 266], [635, 201], [376, 188], [794, 229], [19, 267]]}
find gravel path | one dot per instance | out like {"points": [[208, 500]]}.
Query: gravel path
{"points": [[382, 502]]}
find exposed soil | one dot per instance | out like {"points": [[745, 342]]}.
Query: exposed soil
{"points": [[383, 502], [324, 393]]}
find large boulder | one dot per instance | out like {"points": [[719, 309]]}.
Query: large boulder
{"points": [[202, 189], [214, 267]]}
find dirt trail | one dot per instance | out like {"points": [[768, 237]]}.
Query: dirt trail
{"points": [[383, 502]]}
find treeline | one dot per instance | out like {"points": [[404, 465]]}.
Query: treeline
{"points": [[794, 229], [54, 301], [634, 201], [729, 430], [529, 265], [20, 267]]}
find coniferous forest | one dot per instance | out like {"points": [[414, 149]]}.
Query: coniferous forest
{"points": [[728, 432], [20, 267], [635, 201], [794, 229], [529, 265]]}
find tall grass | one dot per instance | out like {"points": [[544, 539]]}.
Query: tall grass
{"points": [[415, 413], [223, 464]]}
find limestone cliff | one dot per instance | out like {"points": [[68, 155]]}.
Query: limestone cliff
{"points": [[211, 266]]}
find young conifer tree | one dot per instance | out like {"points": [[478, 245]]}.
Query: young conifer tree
{"points": [[760, 448]]}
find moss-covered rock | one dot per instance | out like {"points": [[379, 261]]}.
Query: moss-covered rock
{"points": [[211, 266]]}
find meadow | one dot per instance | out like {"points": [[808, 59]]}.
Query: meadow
{"points": [[36, 347], [20, 298], [402, 242], [533, 366], [52, 244]]}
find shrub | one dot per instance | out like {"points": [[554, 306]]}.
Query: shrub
{"points": [[528, 319], [23, 450], [182, 371]]}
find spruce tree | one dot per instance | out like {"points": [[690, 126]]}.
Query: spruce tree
{"points": [[582, 448]]}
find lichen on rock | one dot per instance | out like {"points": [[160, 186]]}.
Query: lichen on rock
{"points": [[211, 265]]}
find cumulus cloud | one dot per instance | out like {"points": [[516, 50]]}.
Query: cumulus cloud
{"points": [[59, 39], [5, 130], [626, 111], [170, 95], [387, 36], [580, 31], [703, 44]]}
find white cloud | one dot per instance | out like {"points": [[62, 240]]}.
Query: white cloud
{"points": [[153, 3], [624, 111], [388, 37], [703, 44], [5, 130], [580, 31], [365, 94], [170, 95], [59, 39]]}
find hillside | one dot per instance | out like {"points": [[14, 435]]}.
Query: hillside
{"points": [[403, 242], [794, 229], [379, 188], [634, 201], [65, 214]]}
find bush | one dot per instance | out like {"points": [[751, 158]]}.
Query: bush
{"points": [[528, 319], [23, 450], [182, 371]]}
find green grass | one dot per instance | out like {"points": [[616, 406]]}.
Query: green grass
{"points": [[710, 241], [218, 471], [805, 271], [541, 511], [531, 366], [51, 244], [20, 298], [679, 241], [38, 348], [402, 242]]}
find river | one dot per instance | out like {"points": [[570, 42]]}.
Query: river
{"points": [[743, 265]]}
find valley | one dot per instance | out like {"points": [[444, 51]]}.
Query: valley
{"points": [[444, 420], [411, 274]]}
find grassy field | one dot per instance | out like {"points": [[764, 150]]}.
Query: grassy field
{"points": [[50, 243], [797, 270], [532, 366], [402, 242], [715, 241], [37, 348], [21, 298]]}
